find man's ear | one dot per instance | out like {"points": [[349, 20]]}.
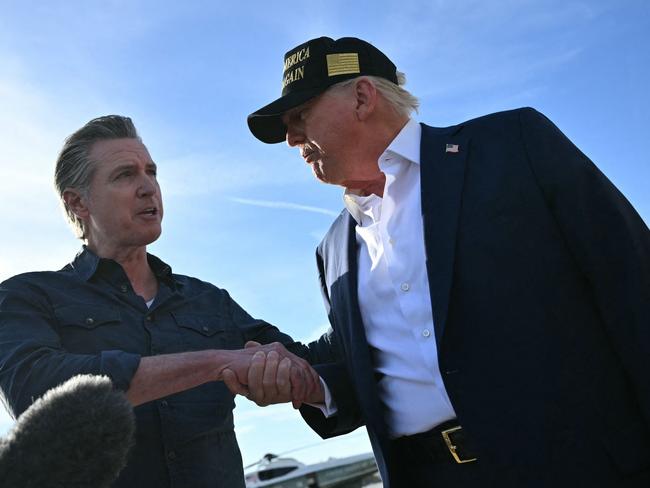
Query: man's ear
{"points": [[76, 202], [365, 92]]}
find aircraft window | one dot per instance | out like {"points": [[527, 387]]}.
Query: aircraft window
{"points": [[268, 474]]}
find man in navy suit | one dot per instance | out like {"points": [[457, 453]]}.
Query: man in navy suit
{"points": [[488, 288]]}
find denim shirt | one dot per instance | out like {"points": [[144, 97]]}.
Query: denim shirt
{"points": [[86, 318]]}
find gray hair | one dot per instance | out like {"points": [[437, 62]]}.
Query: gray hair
{"points": [[74, 169], [401, 100]]}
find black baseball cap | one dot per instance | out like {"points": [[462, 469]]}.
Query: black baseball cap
{"points": [[312, 67]]}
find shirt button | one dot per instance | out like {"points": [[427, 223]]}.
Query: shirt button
{"points": [[391, 241], [171, 455], [90, 321], [124, 288], [426, 333], [148, 318], [205, 329], [164, 403], [405, 287]]}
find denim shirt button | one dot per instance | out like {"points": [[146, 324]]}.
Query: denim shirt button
{"points": [[90, 321], [124, 288]]}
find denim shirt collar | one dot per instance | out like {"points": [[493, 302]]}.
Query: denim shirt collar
{"points": [[86, 264]]}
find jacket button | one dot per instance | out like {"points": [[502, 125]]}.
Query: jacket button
{"points": [[90, 321], [205, 329], [171, 455], [124, 288]]}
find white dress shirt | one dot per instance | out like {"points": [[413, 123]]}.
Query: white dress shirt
{"points": [[393, 291]]}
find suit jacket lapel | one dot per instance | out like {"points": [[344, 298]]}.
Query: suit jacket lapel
{"points": [[442, 172], [342, 280], [357, 335], [337, 250]]}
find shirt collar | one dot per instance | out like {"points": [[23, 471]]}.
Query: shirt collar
{"points": [[406, 145], [359, 205], [86, 263]]}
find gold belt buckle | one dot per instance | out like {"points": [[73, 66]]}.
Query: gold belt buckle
{"points": [[452, 448]]}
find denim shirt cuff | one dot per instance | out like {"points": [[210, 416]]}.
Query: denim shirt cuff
{"points": [[120, 367]]}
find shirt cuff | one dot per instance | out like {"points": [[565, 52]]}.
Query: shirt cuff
{"points": [[328, 408], [120, 367]]}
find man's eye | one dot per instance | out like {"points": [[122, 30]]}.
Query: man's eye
{"points": [[123, 174]]}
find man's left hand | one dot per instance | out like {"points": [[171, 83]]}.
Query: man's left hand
{"points": [[272, 380]]}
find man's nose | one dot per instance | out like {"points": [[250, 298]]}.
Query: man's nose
{"points": [[294, 136], [147, 187]]}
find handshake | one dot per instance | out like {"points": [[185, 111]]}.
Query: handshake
{"points": [[269, 374]]}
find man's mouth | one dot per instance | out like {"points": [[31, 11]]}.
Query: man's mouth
{"points": [[149, 211], [308, 155]]}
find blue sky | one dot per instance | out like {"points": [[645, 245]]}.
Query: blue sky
{"points": [[247, 216]]}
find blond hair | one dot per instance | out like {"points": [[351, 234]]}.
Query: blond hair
{"points": [[400, 99]]}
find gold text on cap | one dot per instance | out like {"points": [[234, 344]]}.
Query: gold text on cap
{"points": [[342, 64], [291, 75], [297, 57]]}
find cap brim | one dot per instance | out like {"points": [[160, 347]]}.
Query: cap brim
{"points": [[266, 123]]}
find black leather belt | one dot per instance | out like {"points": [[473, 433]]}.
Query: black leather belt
{"points": [[446, 442]]}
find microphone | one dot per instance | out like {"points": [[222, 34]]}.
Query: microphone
{"points": [[76, 435]]}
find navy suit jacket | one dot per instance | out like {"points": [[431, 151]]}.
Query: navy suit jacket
{"points": [[539, 273]]}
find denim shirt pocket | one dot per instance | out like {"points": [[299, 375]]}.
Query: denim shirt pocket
{"points": [[87, 328], [208, 331]]}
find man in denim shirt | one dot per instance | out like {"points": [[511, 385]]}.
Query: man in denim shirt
{"points": [[164, 339]]}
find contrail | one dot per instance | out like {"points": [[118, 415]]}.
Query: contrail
{"points": [[286, 205]]}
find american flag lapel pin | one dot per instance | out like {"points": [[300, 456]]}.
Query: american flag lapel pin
{"points": [[451, 148]]}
